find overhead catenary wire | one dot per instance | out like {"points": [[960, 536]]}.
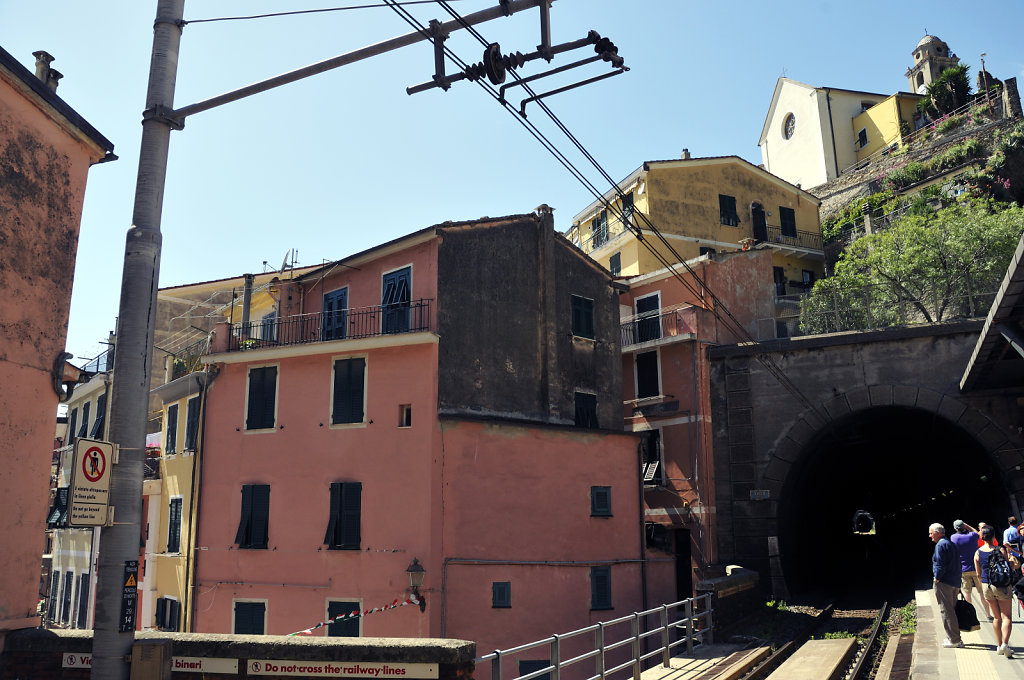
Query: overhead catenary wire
{"points": [[701, 289], [301, 11]]}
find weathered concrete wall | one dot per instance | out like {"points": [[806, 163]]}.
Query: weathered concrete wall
{"points": [[761, 430], [41, 654]]}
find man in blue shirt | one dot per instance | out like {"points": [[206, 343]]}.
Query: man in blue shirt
{"points": [[946, 572], [1011, 536]]}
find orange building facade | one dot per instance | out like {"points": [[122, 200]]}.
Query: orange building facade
{"points": [[450, 400], [46, 149]]}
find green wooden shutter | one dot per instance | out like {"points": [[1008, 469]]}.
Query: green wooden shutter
{"points": [[600, 588], [174, 526], [351, 501], [330, 537], [260, 515], [192, 424], [348, 627], [348, 391], [101, 412], [242, 535], [262, 395]]}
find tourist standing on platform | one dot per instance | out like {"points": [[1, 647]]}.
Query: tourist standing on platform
{"points": [[966, 541], [1011, 536], [1000, 598], [946, 570]]}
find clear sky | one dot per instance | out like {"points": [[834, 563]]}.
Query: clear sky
{"points": [[346, 159]]}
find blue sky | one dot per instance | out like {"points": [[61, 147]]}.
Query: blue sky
{"points": [[345, 160]]}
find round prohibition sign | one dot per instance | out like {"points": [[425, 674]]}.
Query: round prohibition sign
{"points": [[94, 463]]}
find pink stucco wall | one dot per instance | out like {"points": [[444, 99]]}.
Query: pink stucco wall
{"points": [[42, 184]]}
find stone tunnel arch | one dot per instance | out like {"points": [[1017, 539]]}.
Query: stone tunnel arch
{"points": [[908, 455]]}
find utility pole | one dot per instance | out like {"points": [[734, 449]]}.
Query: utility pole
{"points": [[114, 631]]}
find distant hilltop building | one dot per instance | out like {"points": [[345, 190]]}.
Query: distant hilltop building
{"points": [[931, 58]]}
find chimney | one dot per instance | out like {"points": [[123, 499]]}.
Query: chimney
{"points": [[46, 74], [685, 155]]}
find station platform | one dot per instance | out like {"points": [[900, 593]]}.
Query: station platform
{"points": [[978, 660]]}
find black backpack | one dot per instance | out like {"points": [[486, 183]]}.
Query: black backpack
{"points": [[999, 573]]}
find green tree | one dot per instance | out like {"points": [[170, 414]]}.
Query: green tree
{"points": [[948, 92], [925, 268]]}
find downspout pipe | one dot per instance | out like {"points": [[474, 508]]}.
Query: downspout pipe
{"points": [[188, 606], [832, 129]]}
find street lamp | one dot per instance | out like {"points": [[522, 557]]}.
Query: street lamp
{"points": [[416, 573]]}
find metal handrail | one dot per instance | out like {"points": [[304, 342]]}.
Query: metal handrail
{"points": [[692, 622], [653, 326]]}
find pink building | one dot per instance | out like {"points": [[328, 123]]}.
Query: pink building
{"points": [[668, 323], [451, 399], [46, 149]]}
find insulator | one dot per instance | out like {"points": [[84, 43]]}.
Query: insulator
{"points": [[475, 72], [513, 60], [493, 63]]}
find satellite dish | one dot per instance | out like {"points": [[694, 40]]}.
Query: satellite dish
{"points": [[284, 263]]}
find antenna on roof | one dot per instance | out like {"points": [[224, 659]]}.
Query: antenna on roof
{"points": [[284, 263]]}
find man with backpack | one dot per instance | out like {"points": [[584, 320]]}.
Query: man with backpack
{"points": [[966, 539], [946, 570]]}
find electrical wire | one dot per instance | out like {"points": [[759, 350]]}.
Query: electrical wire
{"points": [[301, 11], [719, 309]]}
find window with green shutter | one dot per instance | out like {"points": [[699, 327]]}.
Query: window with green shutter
{"points": [[600, 501], [600, 588], [171, 436], [615, 264], [348, 626], [501, 594], [83, 431], [349, 380], [260, 408], [343, 523], [253, 524], [727, 210], [787, 218], [101, 411], [582, 317], [250, 618], [174, 526], [192, 424]]}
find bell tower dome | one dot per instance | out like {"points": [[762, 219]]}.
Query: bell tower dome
{"points": [[931, 57]]}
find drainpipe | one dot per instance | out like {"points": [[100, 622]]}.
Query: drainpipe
{"points": [[832, 129], [188, 605], [643, 529], [246, 300]]}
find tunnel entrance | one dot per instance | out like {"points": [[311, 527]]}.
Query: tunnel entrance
{"points": [[905, 468]]}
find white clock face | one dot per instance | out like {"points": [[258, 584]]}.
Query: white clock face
{"points": [[788, 126]]}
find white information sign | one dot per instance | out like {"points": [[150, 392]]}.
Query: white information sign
{"points": [[191, 664], [90, 483], [340, 669]]}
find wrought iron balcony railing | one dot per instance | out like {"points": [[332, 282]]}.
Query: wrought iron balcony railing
{"points": [[654, 326], [342, 324], [800, 239]]}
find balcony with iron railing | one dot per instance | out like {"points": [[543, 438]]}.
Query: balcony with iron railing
{"points": [[343, 324], [598, 238], [102, 362], [779, 237], [657, 328]]}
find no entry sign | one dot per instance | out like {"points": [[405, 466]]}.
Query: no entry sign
{"points": [[90, 483]]}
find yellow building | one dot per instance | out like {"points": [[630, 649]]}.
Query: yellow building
{"points": [[170, 506], [703, 206], [885, 124]]}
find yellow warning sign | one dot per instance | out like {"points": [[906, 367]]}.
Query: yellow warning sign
{"points": [[130, 583]]}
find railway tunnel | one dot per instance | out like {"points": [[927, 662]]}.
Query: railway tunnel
{"points": [[903, 468]]}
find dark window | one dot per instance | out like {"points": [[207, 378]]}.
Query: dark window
{"points": [[600, 501], [405, 415], [788, 219], [600, 587], [58, 516], [343, 523], [582, 317], [268, 328], [349, 376], [253, 526], [808, 279], [174, 526], [168, 614], [347, 627], [249, 618], [65, 606], [394, 301], [649, 325], [704, 250], [779, 275], [101, 412], [83, 601], [862, 138], [83, 431], [727, 210], [586, 410], [335, 314], [171, 440], [647, 375], [501, 594], [627, 209], [262, 398], [599, 229], [650, 450], [191, 424], [51, 612], [72, 425], [527, 666], [615, 264]]}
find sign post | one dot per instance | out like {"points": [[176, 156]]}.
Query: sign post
{"points": [[129, 595], [90, 483]]}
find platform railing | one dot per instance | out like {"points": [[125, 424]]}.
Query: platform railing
{"points": [[615, 647]]}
